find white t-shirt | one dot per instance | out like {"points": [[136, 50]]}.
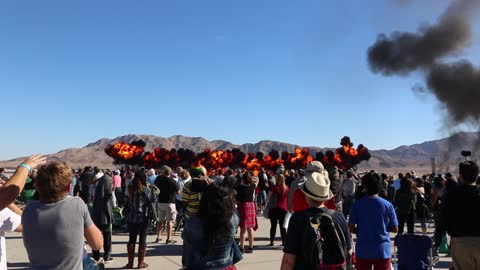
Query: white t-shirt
{"points": [[9, 222]]}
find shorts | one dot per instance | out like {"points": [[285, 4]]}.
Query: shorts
{"points": [[166, 211]]}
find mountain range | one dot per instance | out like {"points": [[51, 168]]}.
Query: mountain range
{"points": [[417, 157]]}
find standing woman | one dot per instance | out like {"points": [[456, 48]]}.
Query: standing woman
{"points": [[404, 203], [246, 209], [421, 205], [277, 213], [138, 203], [209, 237]]}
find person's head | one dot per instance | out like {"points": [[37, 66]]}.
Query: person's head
{"points": [[138, 183], [229, 172], [2, 170], [400, 176], [406, 185], [316, 189], [216, 210], [371, 182], [197, 172], [468, 171], [384, 176], [165, 170], [349, 174], [151, 172], [248, 178], [419, 182], [53, 181], [184, 175]]}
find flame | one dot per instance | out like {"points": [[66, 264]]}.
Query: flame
{"points": [[124, 151], [344, 157]]}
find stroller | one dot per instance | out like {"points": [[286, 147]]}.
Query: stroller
{"points": [[413, 252]]}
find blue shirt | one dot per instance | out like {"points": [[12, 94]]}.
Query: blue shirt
{"points": [[373, 217]]}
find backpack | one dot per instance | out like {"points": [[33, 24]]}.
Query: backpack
{"points": [[324, 245], [155, 190], [421, 206]]}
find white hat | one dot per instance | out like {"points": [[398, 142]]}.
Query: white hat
{"points": [[98, 175], [314, 166], [317, 187]]}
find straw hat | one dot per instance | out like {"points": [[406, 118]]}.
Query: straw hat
{"points": [[317, 187]]}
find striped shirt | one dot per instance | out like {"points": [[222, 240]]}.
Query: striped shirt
{"points": [[190, 199]]}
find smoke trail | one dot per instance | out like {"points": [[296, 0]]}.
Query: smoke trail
{"points": [[456, 85]]}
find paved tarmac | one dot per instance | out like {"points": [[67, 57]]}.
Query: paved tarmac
{"points": [[168, 257]]}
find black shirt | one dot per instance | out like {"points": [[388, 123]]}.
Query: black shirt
{"points": [[245, 193], [168, 189], [459, 211], [296, 227]]}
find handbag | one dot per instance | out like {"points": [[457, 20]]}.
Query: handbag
{"points": [[152, 211]]}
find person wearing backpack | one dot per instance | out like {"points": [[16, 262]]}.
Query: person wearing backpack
{"points": [[317, 238], [372, 219]]}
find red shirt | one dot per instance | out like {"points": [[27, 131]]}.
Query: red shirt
{"points": [[299, 202], [281, 198]]}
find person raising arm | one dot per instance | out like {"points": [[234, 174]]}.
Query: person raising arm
{"points": [[12, 188]]}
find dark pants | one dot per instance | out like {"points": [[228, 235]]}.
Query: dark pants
{"points": [[409, 219], [120, 196], [347, 204], [107, 242], [377, 264], [439, 232], [140, 230], [277, 215]]}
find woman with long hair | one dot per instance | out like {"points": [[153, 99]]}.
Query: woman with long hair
{"points": [[279, 210], [404, 203], [209, 237], [246, 209], [138, 215]]}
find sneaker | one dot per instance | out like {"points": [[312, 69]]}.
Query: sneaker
{"points": [[108, 260], [271, 244], [249, 250]]}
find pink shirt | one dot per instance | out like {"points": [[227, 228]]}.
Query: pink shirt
{"points": [[117, 181]]}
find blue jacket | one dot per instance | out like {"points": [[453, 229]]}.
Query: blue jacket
{"points": [[226, 253]]}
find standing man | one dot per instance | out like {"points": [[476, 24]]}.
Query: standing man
{"points": [[166, 202], [103, 213], [372, 219], [295, 253], [458, 216]]}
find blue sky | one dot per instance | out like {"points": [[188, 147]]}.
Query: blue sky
{"points": [[241, 71]]}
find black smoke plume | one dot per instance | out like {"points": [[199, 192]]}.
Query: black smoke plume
{"points": [[456, 85]]}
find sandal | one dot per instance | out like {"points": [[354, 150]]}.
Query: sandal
{"points": [[249, 250], [170, 241], [143, 265], [158, 240]]}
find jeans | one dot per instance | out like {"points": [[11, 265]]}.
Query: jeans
{"points": [[277, 215], [106, 230], [140, 230], [409, 219]]}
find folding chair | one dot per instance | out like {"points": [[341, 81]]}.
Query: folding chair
{"points": [[413, 252]]}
